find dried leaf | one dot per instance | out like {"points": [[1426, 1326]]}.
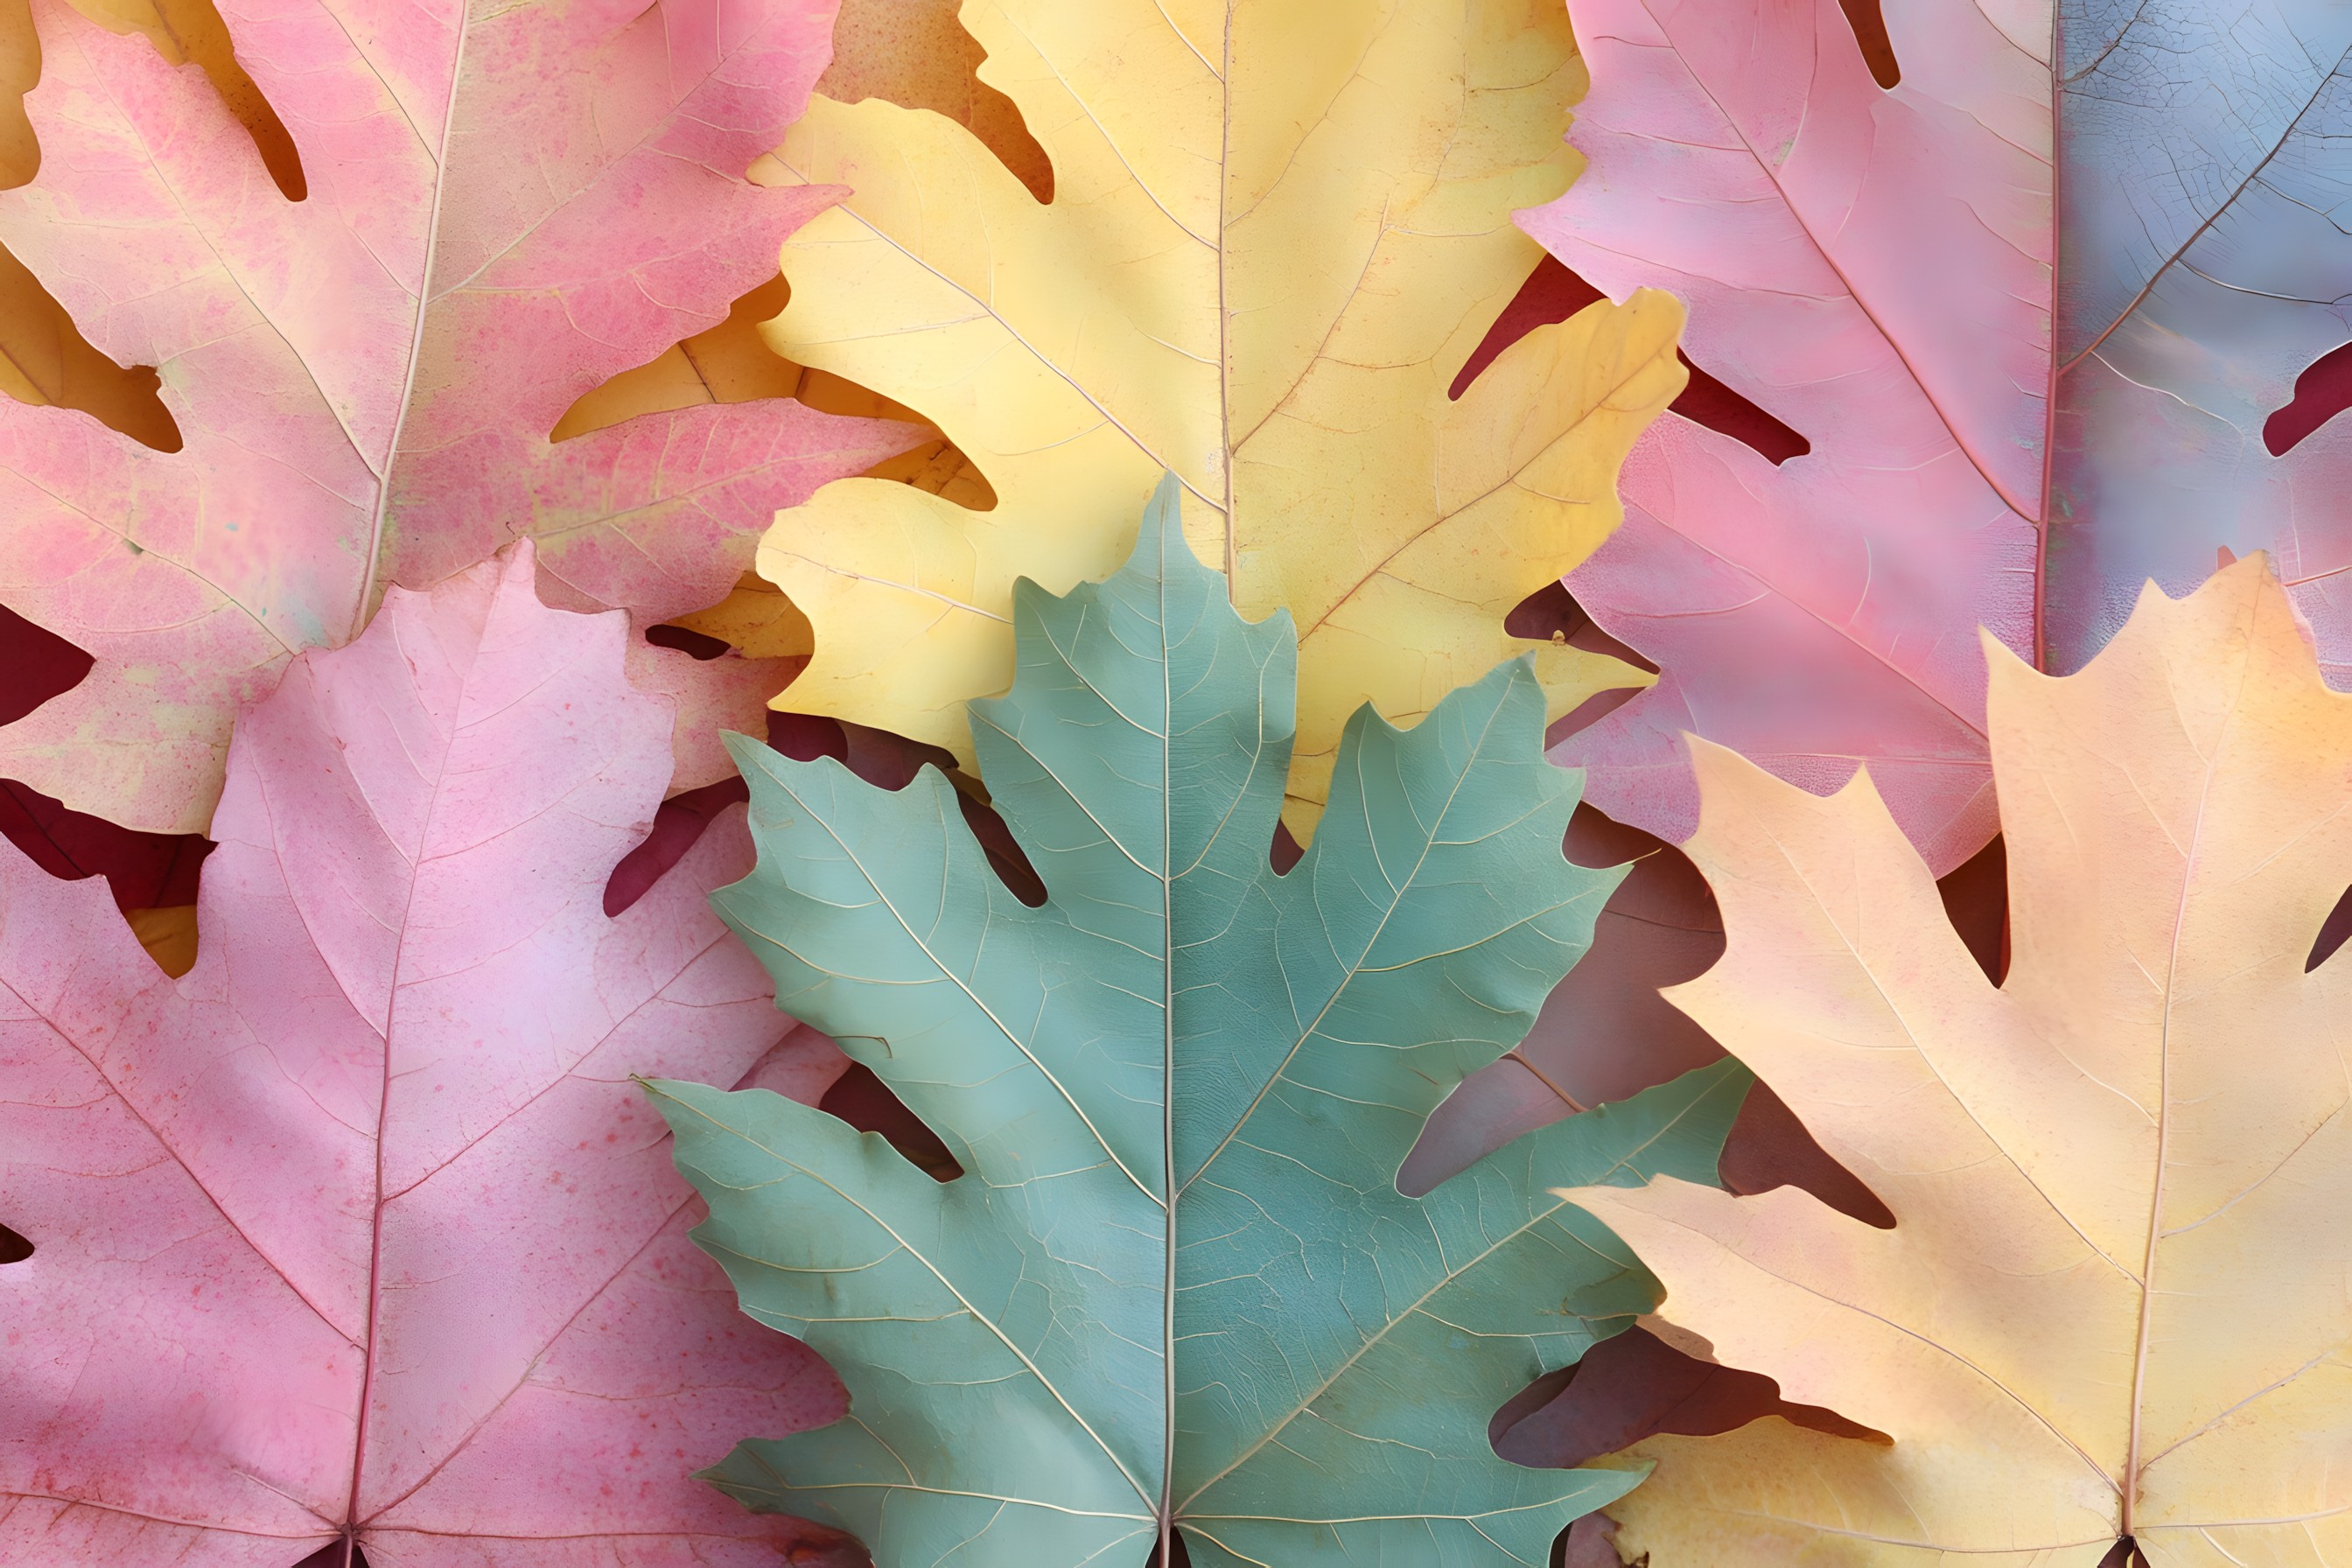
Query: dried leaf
{"points": [[566, 202], [2112, 1307], [1278, 231], [360, 1231]]}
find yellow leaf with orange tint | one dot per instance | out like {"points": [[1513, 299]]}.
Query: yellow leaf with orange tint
{"points": [[1276, 231], [2114, 1301]]}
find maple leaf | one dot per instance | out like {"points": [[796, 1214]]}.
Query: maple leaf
{"points": [[2112, 1306], [2200, 327], [505, 205], [360, 1232], [1270, 248], [1870, 265], [1179, 1286], [1606, 1032], [1859, 217]]}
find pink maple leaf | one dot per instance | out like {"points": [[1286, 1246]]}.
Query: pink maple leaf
{"points": [[507, 205], [362, 1230], [1872, 267]]}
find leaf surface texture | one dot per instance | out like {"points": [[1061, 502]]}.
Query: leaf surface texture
{"points": [[361, 1230], [1277, 231], [2201, 309], [2112, 1303], [505, 205], [1299, 1367], [1871, 266]]}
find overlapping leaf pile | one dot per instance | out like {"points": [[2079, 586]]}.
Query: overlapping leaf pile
{"points": [[1860, 216], [2112, 1306], [1178, 1284], [505, 205], [332, 1226]]}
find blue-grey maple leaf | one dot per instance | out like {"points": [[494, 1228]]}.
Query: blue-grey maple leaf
{"points": [[1046, 1369], [2204, 273]]}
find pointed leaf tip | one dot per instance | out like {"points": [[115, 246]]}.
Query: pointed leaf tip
{"points": [[390, 1106], [1184, 1086], [2130, 1153]]}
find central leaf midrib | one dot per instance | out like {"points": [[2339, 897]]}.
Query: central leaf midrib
{"points": [[1168, 1064], [383, 478], [1337, 990], [2131, 1478]]}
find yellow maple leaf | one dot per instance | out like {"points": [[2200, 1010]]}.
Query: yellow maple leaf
{"points": [[1278, 228], [2115, 1302]]}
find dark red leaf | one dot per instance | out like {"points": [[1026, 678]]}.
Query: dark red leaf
{"points": [[2321, 392], [1636, 1386]]}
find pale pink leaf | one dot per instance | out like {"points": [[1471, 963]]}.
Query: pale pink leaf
{"points": [[1870, 266], [363, 1225], [562, 186]]}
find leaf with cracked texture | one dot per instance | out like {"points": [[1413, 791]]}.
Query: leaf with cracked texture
{"points": [[1177, 1288], [361, 1231], [2110, 1316], [505, 205]]}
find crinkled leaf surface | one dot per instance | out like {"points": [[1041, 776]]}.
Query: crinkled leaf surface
{"points": [[361, 1230], [1178, 1281], [1278, 229], [1873, 266], [2113, 1303], [2206, 269], [505, 205]]}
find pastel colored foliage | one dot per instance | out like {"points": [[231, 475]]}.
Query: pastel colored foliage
{"points": [[2202, 309], [1176, 1287], [2111, 1308], [1278, 231], [360, 1232], [502, 206], [1857, 204], [1871, 266]]}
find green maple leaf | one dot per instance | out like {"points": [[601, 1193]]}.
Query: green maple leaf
{"points": [[1044, 1370]]}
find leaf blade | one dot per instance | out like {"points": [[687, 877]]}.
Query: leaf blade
{"points": [[1753, 163], [2190, 292], [360, 1223], [2113, 1175], [1343, 206], [1307, 1024]]}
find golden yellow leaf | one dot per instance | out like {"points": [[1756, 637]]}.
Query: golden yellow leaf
{"points": [[1277, 230], [2115, 1301]]}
